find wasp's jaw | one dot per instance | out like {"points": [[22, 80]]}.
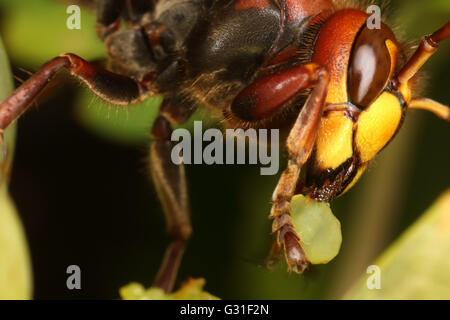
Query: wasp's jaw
{"points": [[347, 141]]}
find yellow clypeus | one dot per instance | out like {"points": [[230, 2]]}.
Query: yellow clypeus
{"points": [[377, 125], [334, 140]]}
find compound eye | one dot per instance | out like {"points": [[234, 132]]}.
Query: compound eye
{"points": [[370, 65]]}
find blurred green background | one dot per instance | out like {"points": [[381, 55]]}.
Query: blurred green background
{"points": [[80, 180]]}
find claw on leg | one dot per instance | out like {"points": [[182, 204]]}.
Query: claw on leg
{"points": [[288, 239], [288, 242], [166, 276], [275, 255], [295, 256]]}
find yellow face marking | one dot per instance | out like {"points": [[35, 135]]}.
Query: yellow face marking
{"points": [[393, 52], [377, 125], [337, 92], [334, 140]]}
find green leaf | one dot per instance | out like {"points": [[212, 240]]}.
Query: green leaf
{"points": [[15, 269], [417, 265], [192, 289], [37, 32], [319, 230]]}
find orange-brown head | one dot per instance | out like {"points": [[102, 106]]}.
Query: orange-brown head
{"points": [[368, 95]]}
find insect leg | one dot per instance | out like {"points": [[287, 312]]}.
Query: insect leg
{"points": [[270, 93], [170, 182], [108, 16], [260, 100], [111, 87], [300, 143]]}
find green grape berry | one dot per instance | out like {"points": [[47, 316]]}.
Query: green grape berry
{"points": [[319, 230]]}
